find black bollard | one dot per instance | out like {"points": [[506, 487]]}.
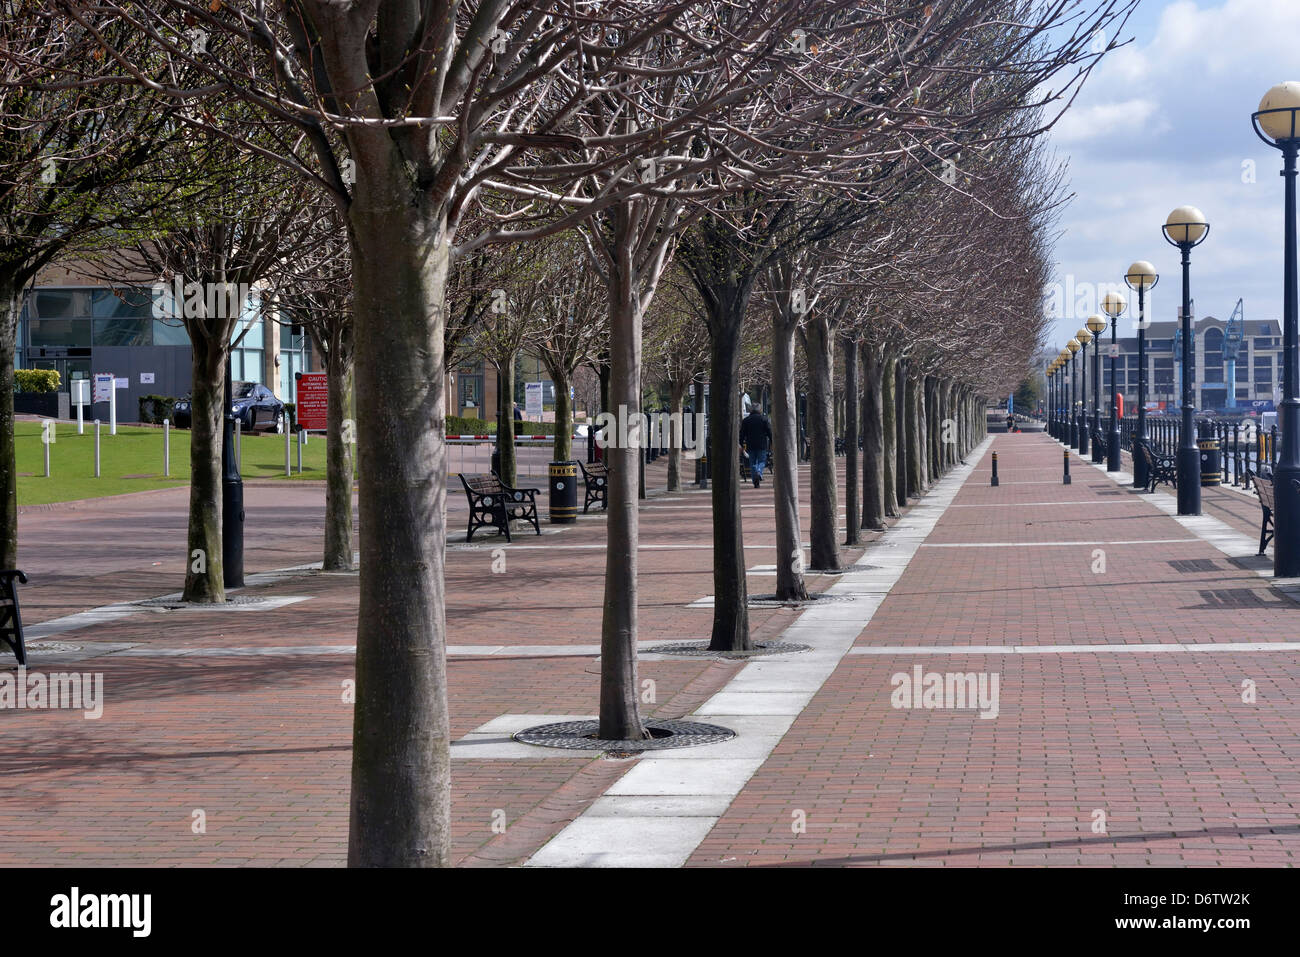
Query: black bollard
{"points": [[1066, 479], [995, 469]]}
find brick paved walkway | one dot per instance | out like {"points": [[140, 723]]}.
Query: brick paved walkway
{"points": [[238, 719]]}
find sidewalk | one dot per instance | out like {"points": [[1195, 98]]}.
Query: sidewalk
{"points": [[1120, 639], [1095, 728], [240, 715]]}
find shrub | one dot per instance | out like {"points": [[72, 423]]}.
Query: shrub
{"points": [[291, 416], [36, 380], [459, 425], [155, 408]]}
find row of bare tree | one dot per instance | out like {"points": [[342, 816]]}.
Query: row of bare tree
{"points": [[867, 170]]}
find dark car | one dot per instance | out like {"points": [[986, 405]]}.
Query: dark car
{"points": [[255, 406]]}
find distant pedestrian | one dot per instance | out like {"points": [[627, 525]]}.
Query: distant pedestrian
{"points": [[519, 413], [1011, 423], [756, 437]]}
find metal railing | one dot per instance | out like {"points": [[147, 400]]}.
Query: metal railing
{"points": [[1242, 446]]}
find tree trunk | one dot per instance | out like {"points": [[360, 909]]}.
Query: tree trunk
{"points": [[823, 535], [506, 421], [889, 437], [9, 309], [915, 432], [730, 593], [620, 719], [401, 759], [339, 463], [676, 398], [563, 446], [900, 435], [790, 585], [851, 432], [873, 440], [203, 573]]}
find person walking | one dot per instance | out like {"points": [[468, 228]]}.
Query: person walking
{"points": [[756, 437]]}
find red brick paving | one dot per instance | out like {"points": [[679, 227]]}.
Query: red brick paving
{"points": [[261, 744], [1185, 772]]}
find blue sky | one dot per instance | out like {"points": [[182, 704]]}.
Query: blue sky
{"points": [[1165, 121]]}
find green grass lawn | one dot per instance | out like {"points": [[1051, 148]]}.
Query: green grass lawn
{"points": [[132, 461]]}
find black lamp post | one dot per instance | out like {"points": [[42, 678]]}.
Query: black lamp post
{"points": [[232, 497], [1051, 400], [1073, 346], [1084, 337], [1063, 398], [1096, 325], [1277, 123], [1141, 276], [1113, 305], [1185, 228]]}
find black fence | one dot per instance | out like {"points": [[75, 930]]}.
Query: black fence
{"points": [[1241, 447]]}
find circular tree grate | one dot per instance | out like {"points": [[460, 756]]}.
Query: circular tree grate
{"points": [[700, 649], [176, 603], [581, 736], [771, 601], [52, 647]]}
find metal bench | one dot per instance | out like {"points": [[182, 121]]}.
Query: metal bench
{"points": [[1264, 489], [596, 477], [11, 617], [492, 502], [1160, 467]]}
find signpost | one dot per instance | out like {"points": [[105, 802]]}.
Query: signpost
{"points": [[81, 399], [106, 391]]}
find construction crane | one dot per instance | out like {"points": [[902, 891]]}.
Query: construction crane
{"points": [[1232, 338]]}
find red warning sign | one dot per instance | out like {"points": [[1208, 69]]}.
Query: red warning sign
{"points": [[313, 402]]}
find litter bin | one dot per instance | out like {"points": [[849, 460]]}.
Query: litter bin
{"points": [[1211, 465], [564, 493]]}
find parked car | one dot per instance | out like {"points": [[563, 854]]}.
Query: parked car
{"points": [[255, 406]]}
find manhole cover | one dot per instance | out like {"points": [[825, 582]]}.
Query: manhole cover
{"points": [[700, 649], [176, 603], [581, 736], [771, 601]]}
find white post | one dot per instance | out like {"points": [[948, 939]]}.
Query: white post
{"points": [[47, 436], [112, 410], [287, 436], [239, 447], [302, 438], [167, 448], [97, 448], [81, 417]]}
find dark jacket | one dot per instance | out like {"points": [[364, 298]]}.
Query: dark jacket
{"points": [[756, 432]]}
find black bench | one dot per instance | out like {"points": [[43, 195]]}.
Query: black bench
{"points": [[492, 502], [1264, 489], [1160, 467], [596, 477], [11, 618]]}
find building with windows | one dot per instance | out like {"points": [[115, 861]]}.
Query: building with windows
{"points": [[1219, 385], [79, 328]]}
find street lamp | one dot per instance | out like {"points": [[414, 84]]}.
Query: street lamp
{"points": [[1186, 227], [1063, 361], [1084, 337], [1047, 374], [1096, 325], [1073, 347], [1141, 276], [1113, 305], [1277, 123]]}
